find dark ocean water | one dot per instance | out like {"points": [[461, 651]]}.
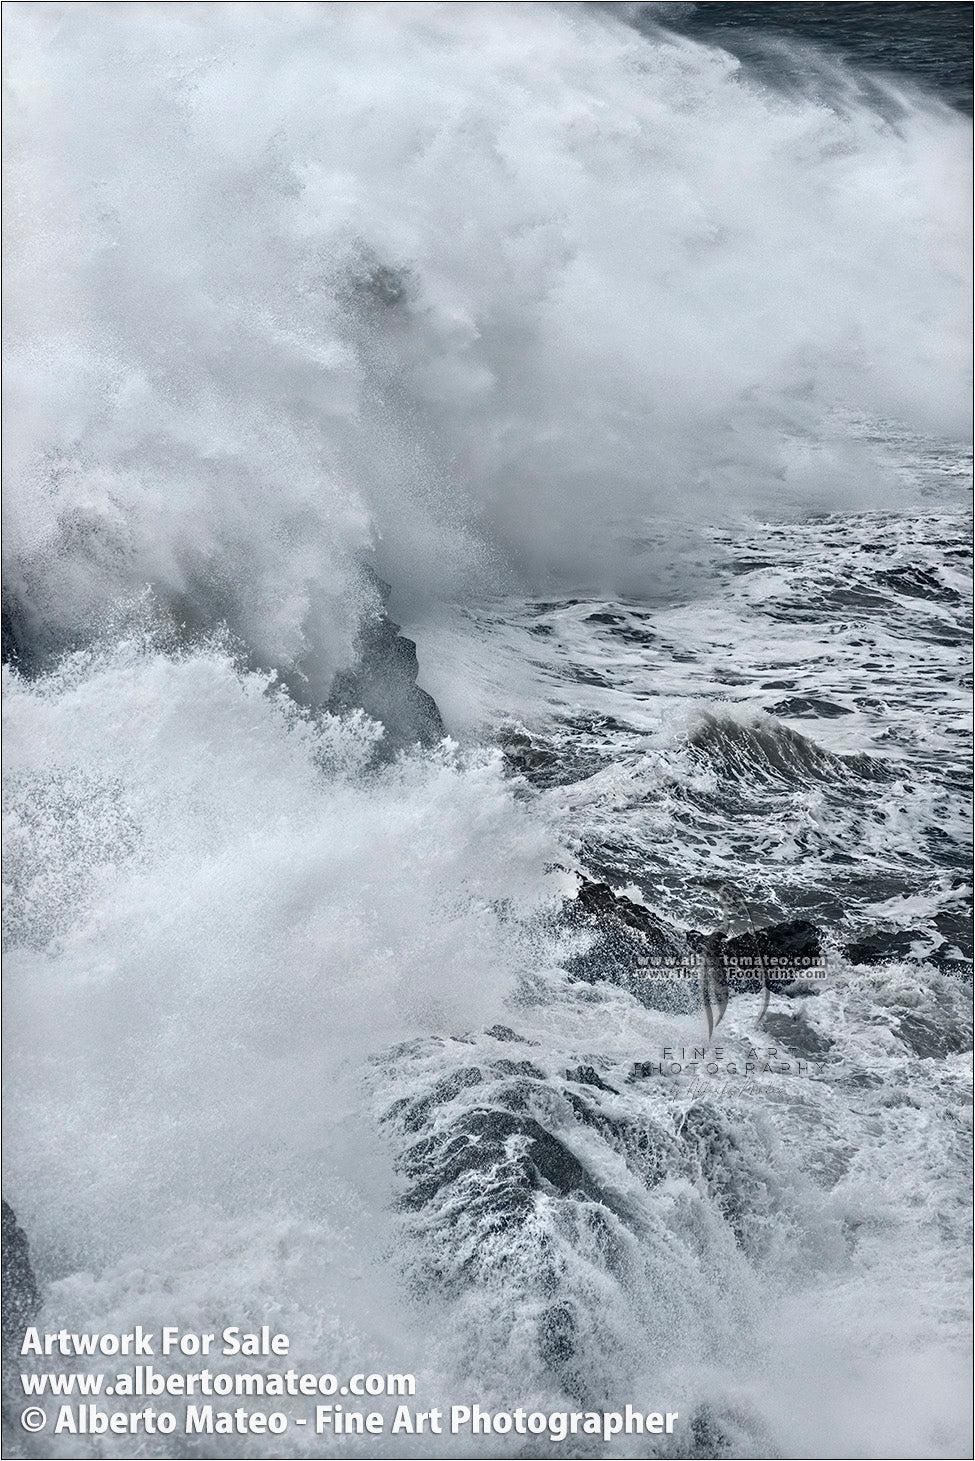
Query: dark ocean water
{"points": [[930, 43]]}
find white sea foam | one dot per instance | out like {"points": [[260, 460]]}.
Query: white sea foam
{"points": [[468, 292], [471, 287]]}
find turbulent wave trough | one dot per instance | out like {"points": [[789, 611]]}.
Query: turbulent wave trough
{"points": [[629, 374]]}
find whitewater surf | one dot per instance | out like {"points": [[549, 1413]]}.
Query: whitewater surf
{"points": [[480, 480]]}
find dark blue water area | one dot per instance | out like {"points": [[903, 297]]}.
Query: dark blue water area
{"points": [[928, 43]]}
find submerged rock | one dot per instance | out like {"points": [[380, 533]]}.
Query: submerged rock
{"points": [[794, 1031], [931, 1038], [709, 1437], [497, 1199], [737, 1172], [529, 1196]]}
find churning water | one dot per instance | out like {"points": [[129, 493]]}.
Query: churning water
{"points": [[636, 364]]}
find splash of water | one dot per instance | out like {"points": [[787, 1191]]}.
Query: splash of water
{"points": [[466, 290]]}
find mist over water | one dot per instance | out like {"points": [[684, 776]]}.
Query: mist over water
{"points": [[471, 290], [637, 372]]}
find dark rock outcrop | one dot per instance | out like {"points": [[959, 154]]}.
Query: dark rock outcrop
{"points": [[511, 1150], [585, 1075], [898, 944], [522, 1184], [412, 1114], [507, 1034], [493, 1180], [383, 683], [737, 1171], [20, 1294], [797, 941], [16, 643], [656, 962], [633, 947]]}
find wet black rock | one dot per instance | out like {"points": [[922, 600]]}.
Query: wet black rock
{"points": [[650, 1151], [517, 1154], [383, 683], [16, 641], [786, 952], [518, 1067], [640, 952], [796, 940], [506, 1033], [736, 1172], [633, 947], [493, 1179], [598, 900], [898, 944], [412, 1114], [585, 1075], [505, 1191], [792, 1029], [20, 1294]]}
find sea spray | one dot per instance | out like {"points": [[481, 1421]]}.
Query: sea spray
{"points": [[472, 290], [510, 303]]}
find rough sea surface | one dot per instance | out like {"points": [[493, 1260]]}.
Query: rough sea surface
{"points": [[628, 345]]}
